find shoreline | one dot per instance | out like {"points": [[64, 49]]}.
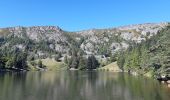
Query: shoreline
{"points": [[13, 70], [162, 79]]}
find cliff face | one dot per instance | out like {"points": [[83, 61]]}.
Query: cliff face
{"points": [[151, 57], [53, 36], [118, 38], [95, 41], [37, 33]]}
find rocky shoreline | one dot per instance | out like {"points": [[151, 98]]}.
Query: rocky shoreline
{"points": [[165, 79], [12, 70]]}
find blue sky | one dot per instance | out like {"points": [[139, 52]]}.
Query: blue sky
{"points": [[75, 15]]}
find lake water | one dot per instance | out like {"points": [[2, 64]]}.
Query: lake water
{"points": [[79, 85]]}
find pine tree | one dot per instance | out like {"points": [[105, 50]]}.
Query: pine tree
{"points": [[112, 58], [57, 58], [2, 62], [89, 63], [92, 63], [82, 63], [40, 64], [95, 63], [66, 60], [121, 60], [9, 63], [70, 62], [75, 62]]}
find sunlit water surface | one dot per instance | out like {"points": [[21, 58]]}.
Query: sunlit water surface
{"points": [[79, 85]]}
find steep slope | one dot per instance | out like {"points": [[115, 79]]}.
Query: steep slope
{"points": [[152, 55], [40, 42], [111, 67], [101, 41], [96, 41], [40, 39]]}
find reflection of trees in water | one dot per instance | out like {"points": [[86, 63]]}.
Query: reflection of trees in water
{"points": [[78, 85], [92, 77], [143, 88]]}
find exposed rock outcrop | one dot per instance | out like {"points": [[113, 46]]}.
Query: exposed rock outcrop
{"points": [[96, 41]]}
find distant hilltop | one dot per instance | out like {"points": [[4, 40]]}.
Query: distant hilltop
{"points": [[90, 41]]}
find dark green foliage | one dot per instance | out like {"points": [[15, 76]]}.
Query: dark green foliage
{"points": [[75, 62], [43, 45], [13, 59], [29, 45], [133, 58], [71, 39], [103, 49], [2, 40], [10, 63], [92, 63], [152, 54], [70, 60], [57, 58], [82, 63], [121, 60], [112, 58], [31, 58], [20, 60], [74, 52], [76, 58], [66, 59], [2, 62], [40, 64]]}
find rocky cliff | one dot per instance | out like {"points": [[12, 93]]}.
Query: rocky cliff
{"points": [[94, 41]]}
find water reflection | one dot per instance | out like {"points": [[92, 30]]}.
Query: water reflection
{"points": [[77, 85]]}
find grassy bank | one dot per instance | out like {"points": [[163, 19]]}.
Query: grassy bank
{"points": [[111, 67], [49, 64]]}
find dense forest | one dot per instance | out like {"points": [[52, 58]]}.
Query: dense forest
{"points": [[152, 55], [13, 59], [16, 59]]}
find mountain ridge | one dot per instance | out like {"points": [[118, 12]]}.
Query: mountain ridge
{"points": [[118, 38], [85, 29], [41, 42]]}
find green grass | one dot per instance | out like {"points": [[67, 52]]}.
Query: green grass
{"points": [[30, 67], [50, 64], [111, 67], [149, 74]]}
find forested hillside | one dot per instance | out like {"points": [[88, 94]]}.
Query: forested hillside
{"points": [[22, 47], [152, 55]]}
